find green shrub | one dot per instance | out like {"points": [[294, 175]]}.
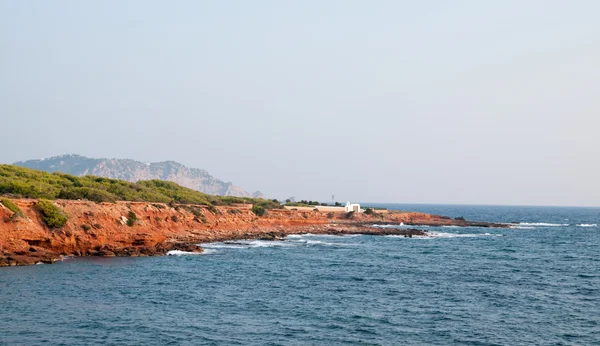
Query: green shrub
{"points": [[194, 210], [52, 215], [131, 218], [85, 227], [258, 210], [369, 211], [88, 193], [12, 207], [97, 226]]}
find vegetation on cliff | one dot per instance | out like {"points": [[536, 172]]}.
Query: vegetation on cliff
{"points": [[12, 207], [24, 182], [52, 215], [258, 210]]}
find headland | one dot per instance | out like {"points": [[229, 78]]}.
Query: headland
{"points": [[46, 216], [148, 229]]}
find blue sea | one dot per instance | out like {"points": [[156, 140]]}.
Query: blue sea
{"points": [[535, 284]]}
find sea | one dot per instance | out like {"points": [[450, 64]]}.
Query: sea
{"points": [[537, 283]]}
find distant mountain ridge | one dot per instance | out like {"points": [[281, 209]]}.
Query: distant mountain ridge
{"points": [[131, 170]]}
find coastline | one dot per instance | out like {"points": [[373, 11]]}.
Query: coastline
{"points": [[103, 229]]}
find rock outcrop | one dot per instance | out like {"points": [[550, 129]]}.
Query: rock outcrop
{"points": [[146, 229]]}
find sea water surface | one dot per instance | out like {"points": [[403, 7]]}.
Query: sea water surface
{"points": [[535, 284]]}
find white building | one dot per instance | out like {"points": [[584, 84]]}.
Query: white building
{"points": [[352, 207]]}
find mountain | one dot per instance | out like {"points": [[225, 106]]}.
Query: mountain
{"points": [[131, 170]]}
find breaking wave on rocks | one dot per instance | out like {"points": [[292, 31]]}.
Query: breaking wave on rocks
{"points": [[185, 253], [434, 235], [401, 225], [294, 240]]}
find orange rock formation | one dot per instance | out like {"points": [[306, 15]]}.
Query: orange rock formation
{"points": [[101, 229]]}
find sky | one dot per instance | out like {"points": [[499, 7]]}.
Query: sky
{"points": [[469, 102]]}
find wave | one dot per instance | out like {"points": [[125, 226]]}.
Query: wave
{"points": [[540, 224], [295, 241], [318, 242], [268, 243], [463, 235], [184, 253], [296, 236], [587, 225], [401, 225], [223, 246], [434, 235]]}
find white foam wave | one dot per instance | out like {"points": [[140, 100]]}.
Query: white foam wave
{"points": [[541, 224], [296, 240], [401, 225], [268, 243], [587, 225], [183, 253], [312, 235], [433, 235], [522, 227], [458, 235], [224, 246]]}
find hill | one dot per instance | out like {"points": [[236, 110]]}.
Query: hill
{"points": [[24, 182], [133, 171]]}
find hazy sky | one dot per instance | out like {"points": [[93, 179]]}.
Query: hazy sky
{"points": [[494, 102]]}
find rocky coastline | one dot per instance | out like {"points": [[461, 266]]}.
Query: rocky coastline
{"points": [[151, 229]]}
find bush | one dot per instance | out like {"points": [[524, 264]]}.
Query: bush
{"points": [[174, 218], [330, 215], [460, 218], [12, 207], [85, 227], [97, 226], [369, 211], [258, 210], [194, 210], [52, 215], [91, 194], [131, 218]]}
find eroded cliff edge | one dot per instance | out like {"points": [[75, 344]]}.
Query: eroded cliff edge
{"points": [[146, 229]]}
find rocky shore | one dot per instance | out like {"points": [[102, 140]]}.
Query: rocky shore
{"points": [[149, 229]]}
